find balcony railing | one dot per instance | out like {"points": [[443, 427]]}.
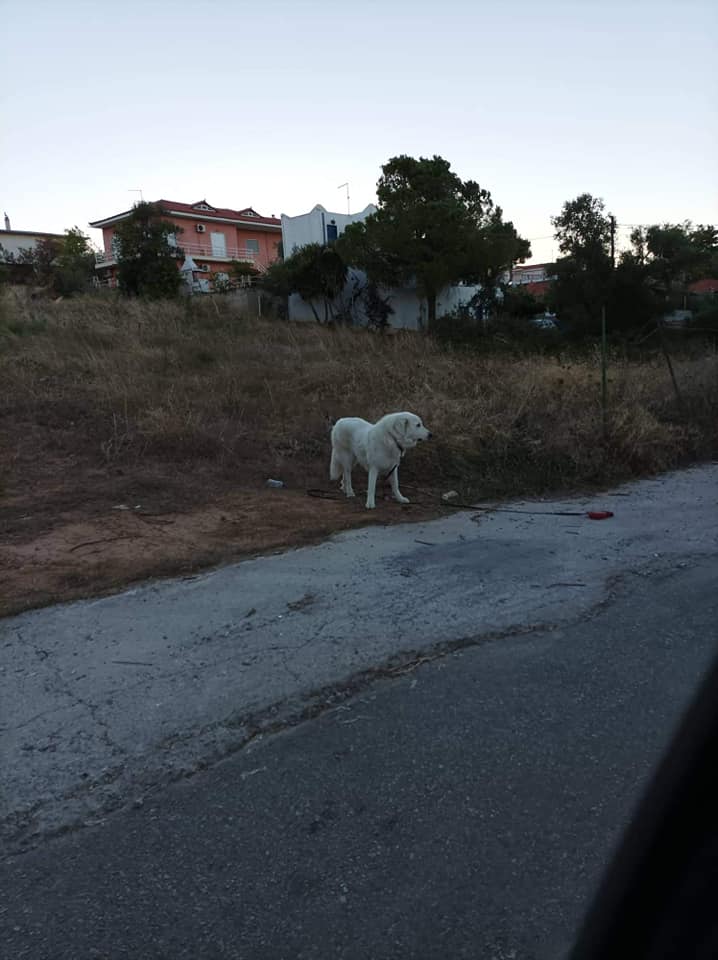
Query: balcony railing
{"points": [[201, 251], [206, 250]]}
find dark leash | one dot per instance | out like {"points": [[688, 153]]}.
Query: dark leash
{"points": [[329, 495], [480, 510]]}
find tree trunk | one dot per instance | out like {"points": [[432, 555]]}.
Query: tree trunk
{"points": [[430, 312], [314, 311]]}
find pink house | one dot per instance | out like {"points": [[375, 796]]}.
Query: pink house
{"points": [[212, 236]]}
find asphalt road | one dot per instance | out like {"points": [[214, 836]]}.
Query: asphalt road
{"points": [[415, 741], [103, 700], [464, 808]]}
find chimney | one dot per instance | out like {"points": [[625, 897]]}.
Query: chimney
{"points": [[7, 222]]}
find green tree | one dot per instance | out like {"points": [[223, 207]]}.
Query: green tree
{"points": [[146, 253], [65, 266], [42, 258], [583, 275], [74, 266], [433, 229], [632, 300], [518, 302], [676, 254], [316, 272], [583, 229]]}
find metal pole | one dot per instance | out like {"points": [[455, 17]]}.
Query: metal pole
{"points": [[612, 220], [341, 185], [664, 348], [604, 364]]}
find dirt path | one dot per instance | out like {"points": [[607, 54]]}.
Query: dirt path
{"points": [[88, 551]]}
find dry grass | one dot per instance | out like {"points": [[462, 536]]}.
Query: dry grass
{"points": [[178, 404], [122, 383]]}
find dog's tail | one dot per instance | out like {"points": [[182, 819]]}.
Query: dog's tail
{"points": [[335, 468]]}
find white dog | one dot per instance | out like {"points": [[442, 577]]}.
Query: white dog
{"points": [[378, 447]]}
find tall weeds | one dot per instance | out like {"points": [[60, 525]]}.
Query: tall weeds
{"points": [[97, 382]]}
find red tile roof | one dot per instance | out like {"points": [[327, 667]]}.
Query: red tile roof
{"points": [[707, 285], [246, 214]]}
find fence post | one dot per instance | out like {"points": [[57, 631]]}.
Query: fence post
{"points": [[604, 364], [664, 348]]}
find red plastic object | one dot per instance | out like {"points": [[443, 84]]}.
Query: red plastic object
{"points": [[599, 514]]}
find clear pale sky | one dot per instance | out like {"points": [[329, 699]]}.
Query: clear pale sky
{"points": [[274, 104]]}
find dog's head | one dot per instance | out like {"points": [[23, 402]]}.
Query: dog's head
{"points": [[409, 429]]}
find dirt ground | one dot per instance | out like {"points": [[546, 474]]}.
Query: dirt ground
{"points": [[59, 543]]}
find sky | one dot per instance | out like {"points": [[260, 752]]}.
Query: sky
{"points": [[274, 104]]}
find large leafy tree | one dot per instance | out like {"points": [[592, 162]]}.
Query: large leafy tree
{"points": [[432, 229], [583, 275], [675, 254], [146, 257], [583, 229]]}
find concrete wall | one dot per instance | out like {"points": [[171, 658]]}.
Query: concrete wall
{"points": [[410, 311]]}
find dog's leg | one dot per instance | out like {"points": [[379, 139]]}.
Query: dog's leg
{"points": [[346, 483], [335, 466], [371, 488], [394, 480]]}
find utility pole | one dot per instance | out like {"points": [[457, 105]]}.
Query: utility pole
{"points": [[604, 338]]}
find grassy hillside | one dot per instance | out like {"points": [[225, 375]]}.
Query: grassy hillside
{"points": [[205, 398]]}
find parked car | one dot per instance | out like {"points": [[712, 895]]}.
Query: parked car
{"points": [[545, 321]]}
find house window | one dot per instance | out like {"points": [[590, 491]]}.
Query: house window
{"points": [[331, 232], [252, 246]]}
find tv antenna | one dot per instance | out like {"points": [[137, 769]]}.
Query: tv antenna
{"points": [[342, 186]]}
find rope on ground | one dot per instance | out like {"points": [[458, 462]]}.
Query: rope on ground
{"points": [[323, 494], [477, 509]]}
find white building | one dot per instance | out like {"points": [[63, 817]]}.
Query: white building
{"points": [[321, 226], [15, 241], [318, 226], [530, 273]]}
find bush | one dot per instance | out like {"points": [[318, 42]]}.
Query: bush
{"points": [[706, 318]]}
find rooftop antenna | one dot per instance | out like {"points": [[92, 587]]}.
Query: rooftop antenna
{"points": [[138, 190], [340, 187]]}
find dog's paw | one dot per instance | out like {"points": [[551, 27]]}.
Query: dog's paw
{"points": [[370, 506], [350, 495], [402, 499]]}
